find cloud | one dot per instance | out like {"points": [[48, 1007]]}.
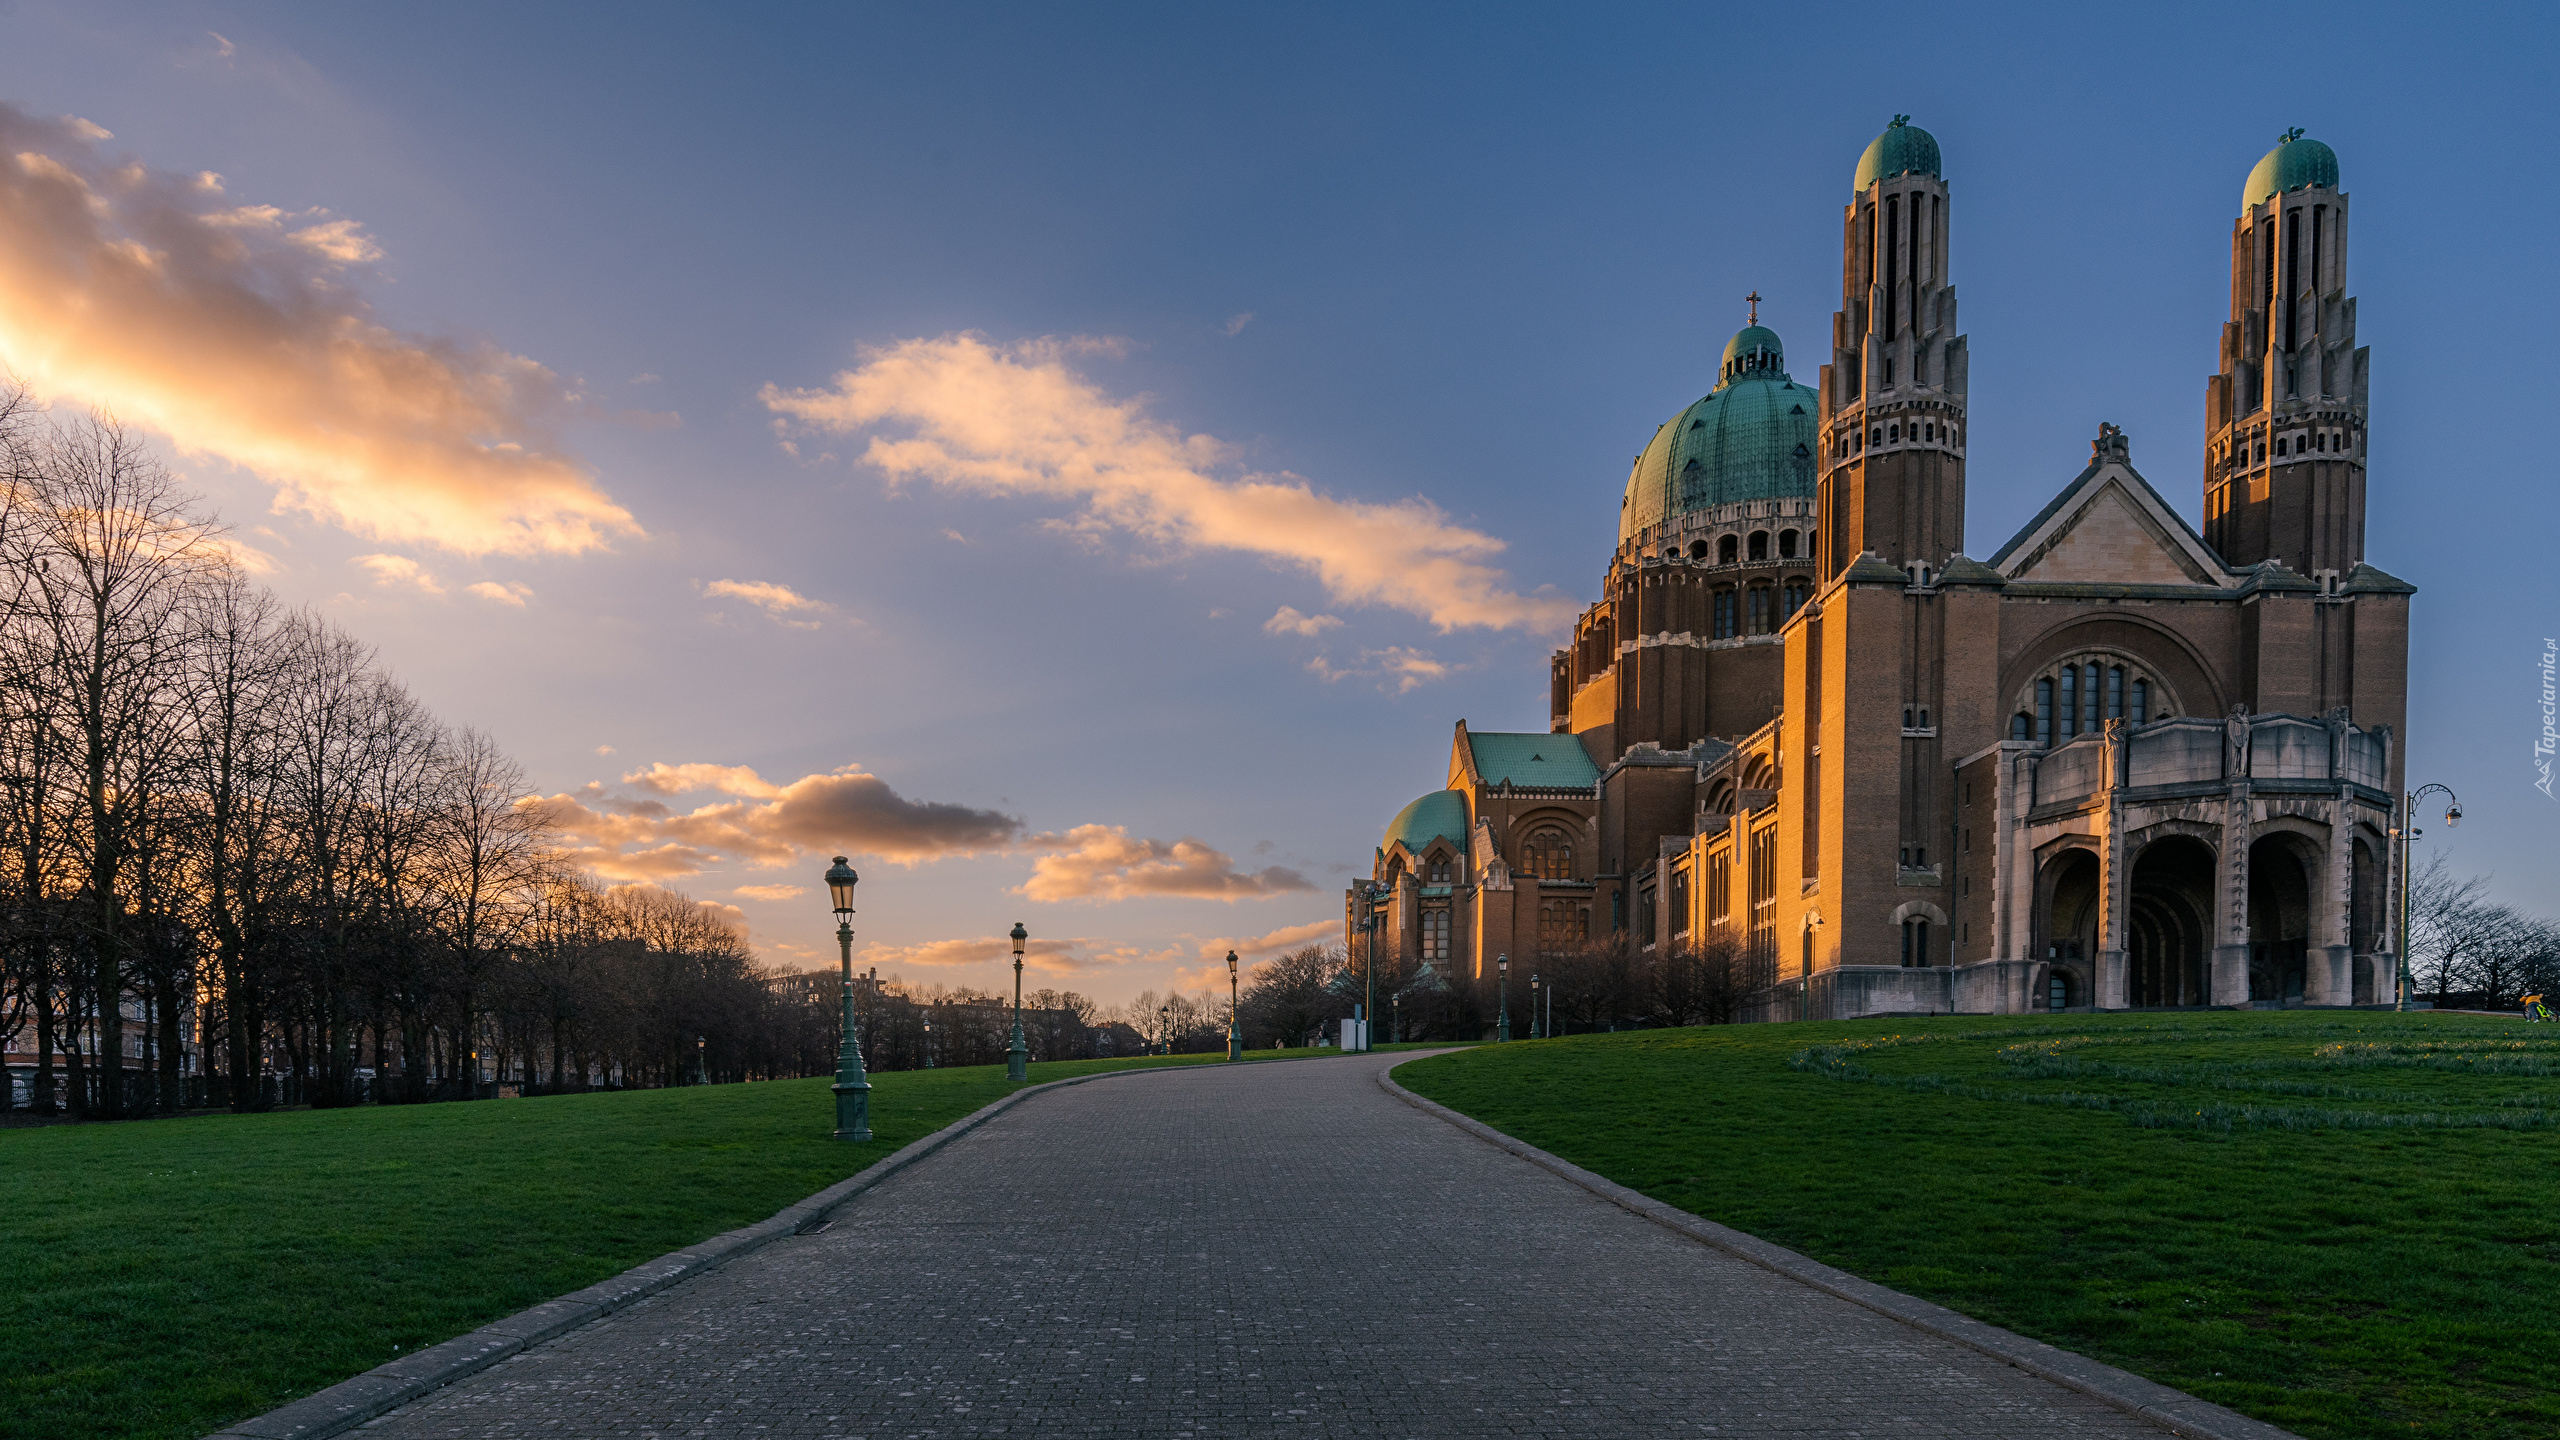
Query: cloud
{"points": [[604, 749], [1287, 937], [1106, 862], [233, 330], [779, 601], [1402, 666], [1236, 323], [399, 570], [771, 892], [1287, 621], [505, 592], [842, 812], [1017, 420]]}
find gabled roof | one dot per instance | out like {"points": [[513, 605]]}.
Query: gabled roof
{"points": [[1543, 759], [2109, 526]]}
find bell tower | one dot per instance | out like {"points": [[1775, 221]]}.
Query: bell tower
{"points": [[2284, 463], [1893, 396]]}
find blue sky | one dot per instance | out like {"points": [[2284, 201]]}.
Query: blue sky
{"points": [[1469, 256]]}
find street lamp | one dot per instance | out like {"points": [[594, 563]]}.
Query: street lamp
{"points": [[853, 1092], [1235, 1023], [1164, 1027], [1018, 1054], [1502, 968], [1536, 1029], [2405, 834], [701, 1071], [1395, 1032], [1804, 983], [928, 1039]]}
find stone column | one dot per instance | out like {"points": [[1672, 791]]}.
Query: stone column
{"points": [[2229, 982], [2114, 880], [2331, 977], [2017, 881]]}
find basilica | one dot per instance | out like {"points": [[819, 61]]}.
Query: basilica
{"points": [[2115, 764]]}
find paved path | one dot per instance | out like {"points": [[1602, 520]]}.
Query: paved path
{"points": [[1263, 1249]]}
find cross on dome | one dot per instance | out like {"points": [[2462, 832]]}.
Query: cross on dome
{"points": [[1754, 298]]}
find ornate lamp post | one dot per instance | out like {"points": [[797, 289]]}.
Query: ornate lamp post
{"points": [[1164, 1028], [853, 1092], [928, 1039], [1017, 1054], [1502, 968], [2406, 833], [1537, 1027], [701, 1069], [1235, 1023]]}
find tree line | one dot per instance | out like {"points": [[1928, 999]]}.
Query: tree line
{"points": [[227, 833]]}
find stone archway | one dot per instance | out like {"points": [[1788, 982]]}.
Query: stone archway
{"points": [[2066, 931], [2168, 943], [2279, 921]]}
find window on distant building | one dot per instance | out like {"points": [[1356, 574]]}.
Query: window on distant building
{"points": [[1435, 936], [1548, 854]]}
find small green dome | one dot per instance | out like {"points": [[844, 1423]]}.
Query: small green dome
{"points": [[1442, 813], [2294, 163], [1903, 149], [1752, 438]]}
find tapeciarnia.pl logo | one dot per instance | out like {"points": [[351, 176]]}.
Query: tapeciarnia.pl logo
{"points": [[2550, 737]]}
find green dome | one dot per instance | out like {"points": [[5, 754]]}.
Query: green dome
{"points": [[1752, 438], [2294, 163], [1441, 813], [1903, 149]]}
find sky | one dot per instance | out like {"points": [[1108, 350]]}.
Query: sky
{"points": [[1084, 460]]}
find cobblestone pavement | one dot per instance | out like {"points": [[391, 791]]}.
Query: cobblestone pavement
{"points": [[1268, 1249]]}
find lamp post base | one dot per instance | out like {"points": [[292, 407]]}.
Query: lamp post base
{"points": [[1016, 1062], [853, 1111]]}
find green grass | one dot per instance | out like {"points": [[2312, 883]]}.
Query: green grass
{"points": [[2343, 1223], [164, 1278]]}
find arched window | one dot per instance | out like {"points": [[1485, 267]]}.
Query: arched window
{"points": [[1438, 873], [1548, 855], [2022, 726], [2279, 447], [2115, 692], [1915, 944], [1435, 935], [1796, 593], [1893, 432], [2070, 698], [1786, 544], [2262, 452], [1763, 608], [1698, 551], [1875, 435], [2044, 711], [1727, 550], [2080, 695], [1759, 544], [1726, 625], [2141, 694]]}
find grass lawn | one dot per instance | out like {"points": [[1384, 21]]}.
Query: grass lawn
{"points": [[164, 1278], [2344, 1223]]}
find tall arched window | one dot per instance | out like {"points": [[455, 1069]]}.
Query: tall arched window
{"points": [[2080, 695], [1786, 544], [2022, 726], [1728, 550], [1763, 608], [1437, 873], [1797, 591], [1727, 621], [1759, 544], [1548, 854], [1435, 935], [1915, 944], [2044, 711]]}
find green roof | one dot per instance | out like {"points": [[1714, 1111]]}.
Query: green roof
{"points": [[2294, 163], [1442, 813], [1903, 149], [1535, 758], [1752, 438]]}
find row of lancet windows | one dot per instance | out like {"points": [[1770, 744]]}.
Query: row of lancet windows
{"points": [[2321, 441], [1728, 551], [2080, 697], [1891, 433], [1760, 609]]}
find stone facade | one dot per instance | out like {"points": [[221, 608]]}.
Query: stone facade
{"points": [[2118, 764]]}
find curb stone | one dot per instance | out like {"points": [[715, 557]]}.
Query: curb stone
{"points": [[385, 1388], [2177, 1411]]}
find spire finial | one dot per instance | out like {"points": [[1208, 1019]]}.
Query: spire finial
{"points": [[1898, 122], [2290, 136], [1754, 298]]}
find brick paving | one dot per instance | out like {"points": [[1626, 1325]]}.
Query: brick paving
{"points": [[1277, 1249]]}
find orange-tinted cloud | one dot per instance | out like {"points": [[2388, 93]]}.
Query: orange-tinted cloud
{"points": [[846, 811], [1081, 955], [232, 329], [779, 601], [1106, 862], [1018, 420]]}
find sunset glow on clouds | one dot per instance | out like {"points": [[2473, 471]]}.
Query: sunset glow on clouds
{"points": [[638, 836], [232, 329], [779, 601], [1018, 420]]}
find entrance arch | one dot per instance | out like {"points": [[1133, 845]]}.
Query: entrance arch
{"points": [[2067, 929], [2279, 920], [2173, 881]]}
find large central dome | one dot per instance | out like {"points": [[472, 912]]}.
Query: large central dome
{"points": [[1751, 438]]}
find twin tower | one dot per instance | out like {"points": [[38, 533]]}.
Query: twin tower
{"points": [[2284, 417], [1767, 490]]}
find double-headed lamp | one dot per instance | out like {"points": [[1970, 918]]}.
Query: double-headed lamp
{"points": [[840, 883]]}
